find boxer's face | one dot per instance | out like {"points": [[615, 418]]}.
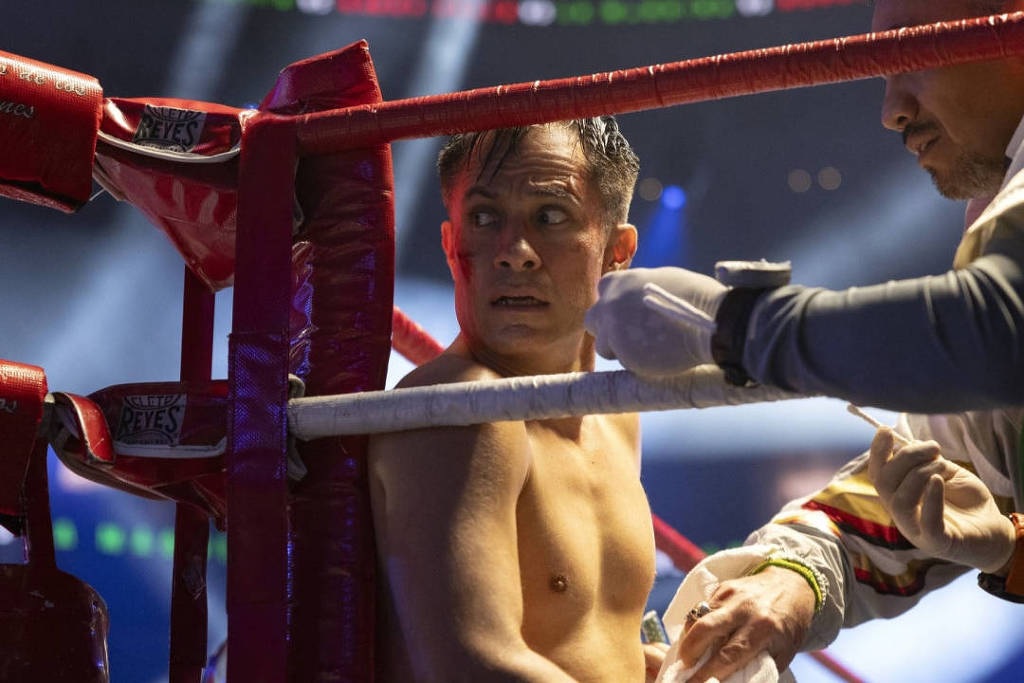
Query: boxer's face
{"points": [[526, 245], [956, 120]]}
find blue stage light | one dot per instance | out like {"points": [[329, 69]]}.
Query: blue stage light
{"points": [[673, 197]]}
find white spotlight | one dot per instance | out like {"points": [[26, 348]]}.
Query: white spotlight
{"points": [[315, 6], [754, 8], [537, 12]]}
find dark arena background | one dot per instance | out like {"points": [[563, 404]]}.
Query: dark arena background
{"points": [[806, 175]]}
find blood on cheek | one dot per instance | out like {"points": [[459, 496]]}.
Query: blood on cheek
{"points": [[464, 259]]}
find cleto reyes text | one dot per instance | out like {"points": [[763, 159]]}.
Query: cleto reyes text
{"points": [[170, 128], [151, 418]]}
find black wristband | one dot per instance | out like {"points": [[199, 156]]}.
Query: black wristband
{"points": [[731, 322], [1011, 586], [996, 585]]}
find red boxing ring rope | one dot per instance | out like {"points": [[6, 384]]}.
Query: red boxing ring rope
{"points": [[663, 85]]}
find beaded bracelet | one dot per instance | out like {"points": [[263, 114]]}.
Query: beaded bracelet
{"points": [[814, 578]]}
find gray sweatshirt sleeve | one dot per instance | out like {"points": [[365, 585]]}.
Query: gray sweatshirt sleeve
{"points": [[941, 343]]}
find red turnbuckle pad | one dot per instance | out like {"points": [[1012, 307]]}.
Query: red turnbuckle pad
{"points": [[156, 440], [176, 161], [49, 122]]}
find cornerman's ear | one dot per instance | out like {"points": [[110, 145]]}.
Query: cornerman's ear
{"points": [[621, 247]]}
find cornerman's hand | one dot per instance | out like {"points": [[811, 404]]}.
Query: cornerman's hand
{"points": [[654, 657], [939, 506], [770, 611], [655, 321]]}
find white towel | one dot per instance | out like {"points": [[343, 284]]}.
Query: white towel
{"points": [[698, 585]]}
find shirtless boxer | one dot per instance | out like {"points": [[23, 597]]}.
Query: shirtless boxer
{"points": [[519, 551]]}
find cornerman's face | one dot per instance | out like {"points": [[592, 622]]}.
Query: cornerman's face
{"points": [[956, 120], [526, 246]]}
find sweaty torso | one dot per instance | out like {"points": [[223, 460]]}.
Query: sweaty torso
{"points": [[584, 539], [586, 549]]}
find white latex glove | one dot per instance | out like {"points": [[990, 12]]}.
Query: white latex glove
{"points": [[655, 321], [939, 506]]}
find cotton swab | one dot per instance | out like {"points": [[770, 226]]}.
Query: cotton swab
{"points": [[850, 408]]}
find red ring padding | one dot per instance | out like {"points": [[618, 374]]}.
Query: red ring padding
{"points": [[22, 391], [190, 194], [49, 121], [343, 284], [159, 440], [53, 626]]}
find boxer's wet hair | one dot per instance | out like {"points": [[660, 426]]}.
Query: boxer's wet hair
{"points": [[611, 163]]}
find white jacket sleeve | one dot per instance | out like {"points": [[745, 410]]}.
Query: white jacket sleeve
{"points": [[843, 530]]}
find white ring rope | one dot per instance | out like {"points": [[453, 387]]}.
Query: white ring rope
{"points": [[517, 398]]}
